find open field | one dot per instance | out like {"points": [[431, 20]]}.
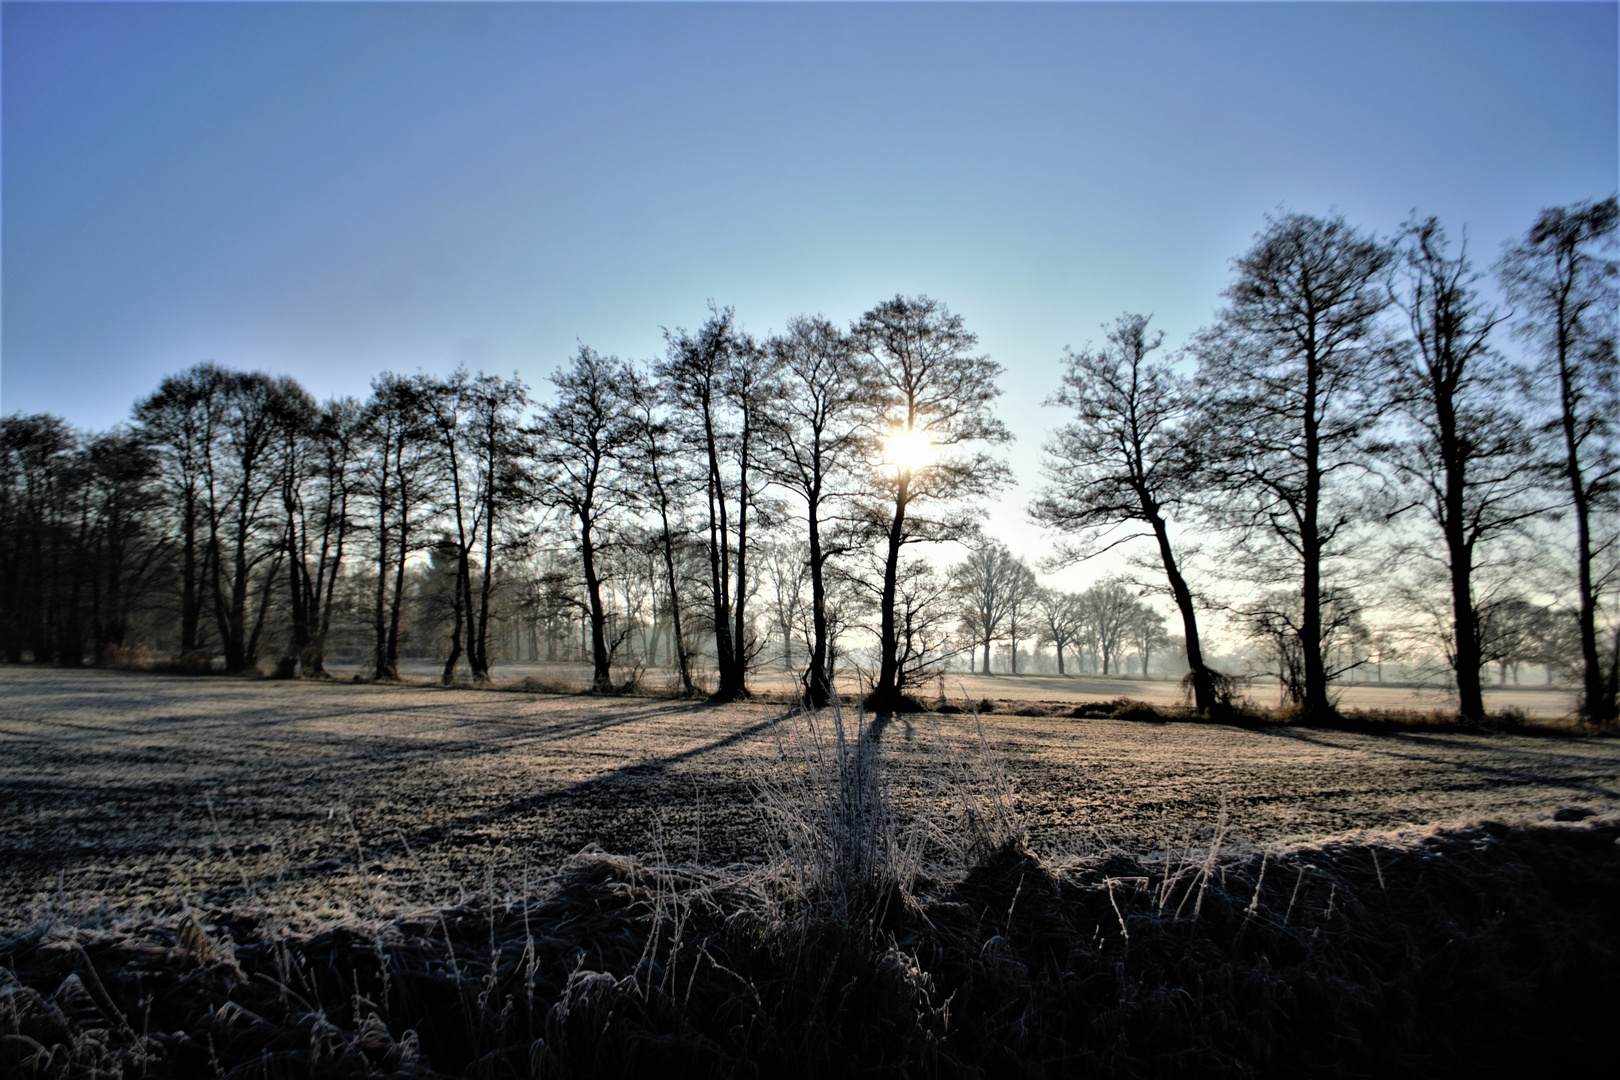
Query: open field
{"points": [[125, 792], [208, 876]]}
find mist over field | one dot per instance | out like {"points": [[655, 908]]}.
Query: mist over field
{"points": [[794, 540]]}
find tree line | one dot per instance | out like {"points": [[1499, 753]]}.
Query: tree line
{"points": [[1350, 396], [1351, 426]]}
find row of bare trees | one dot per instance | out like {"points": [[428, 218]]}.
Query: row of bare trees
{"points": [[1000, 599], [1353, 418], [264, 519], [1353, 396]]}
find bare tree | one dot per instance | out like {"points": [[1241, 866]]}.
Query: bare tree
{"points": [[937, 419], [787, 572], [1563, 278], [399, 485], [1284, 381], [1109, 609], [498, 450], [319, 477], [126, 543], [722, 386], [1147, 633], [923, 614], [1124, 463], [580, 437], [1469, 455], [659, 482], [820, 434], [245, 546], [1060, 618], [988, 585], [182, 420], [1020, 612], [1277, 619]]}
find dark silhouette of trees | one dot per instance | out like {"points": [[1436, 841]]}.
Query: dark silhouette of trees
{"points": [[400, 486], [659, 482], [1125, 462], [819, 435], [499, 450], [580, 438], [1562, 279], [241, 475], [936, 421], [476, 425], [1285, 386], [1469, 455], [81, 540], [320, 480], [182, 419], [445, 404], [237, 519], [720, 386]]}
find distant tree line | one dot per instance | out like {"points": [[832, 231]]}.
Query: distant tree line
{"points": [[1347, 432]]}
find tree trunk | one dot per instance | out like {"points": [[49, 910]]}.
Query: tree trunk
{"points": [[817, 680], [1316, 702], [887, 692], [1202, 679], [601, 675]]}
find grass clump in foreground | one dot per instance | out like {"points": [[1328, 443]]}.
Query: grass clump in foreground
{"points": [[1477, 949]]}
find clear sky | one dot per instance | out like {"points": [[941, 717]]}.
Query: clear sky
{"points": [[331, 190]]}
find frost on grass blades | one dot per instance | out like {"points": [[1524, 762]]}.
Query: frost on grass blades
{"points": [[896, 927]]}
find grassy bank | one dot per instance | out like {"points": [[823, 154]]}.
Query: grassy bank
{"points": [[1474, 950]]}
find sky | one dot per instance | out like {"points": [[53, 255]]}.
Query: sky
{"points": [[331, 190]]}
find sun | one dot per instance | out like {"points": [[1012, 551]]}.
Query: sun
{"points": [[909, 449]]}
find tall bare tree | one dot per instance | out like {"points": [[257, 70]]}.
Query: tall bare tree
{"points": [[1023, 592], [936, 422], [1125, 463], [496, 450], [819, 435], [319, 478], [580, 437], [182, 419], [246, 537], [1469, 455], [659, 481], [399, 485], [1286, 388], [1562, 278], [721, 385], [1109, 610]]}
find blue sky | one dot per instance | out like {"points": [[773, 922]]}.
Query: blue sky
{"points": [[331, 190]]}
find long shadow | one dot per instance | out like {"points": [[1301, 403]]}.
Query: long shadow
{"points": [[583, 790], [487, 734], [1506, 774]]}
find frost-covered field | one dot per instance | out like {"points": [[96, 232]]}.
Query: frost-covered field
{"points": [[137, 792]]}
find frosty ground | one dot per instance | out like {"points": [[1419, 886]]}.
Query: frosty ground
{"points": [[125, 793]]}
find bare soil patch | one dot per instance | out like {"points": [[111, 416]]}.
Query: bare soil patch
{"points": [[133, 792]]}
